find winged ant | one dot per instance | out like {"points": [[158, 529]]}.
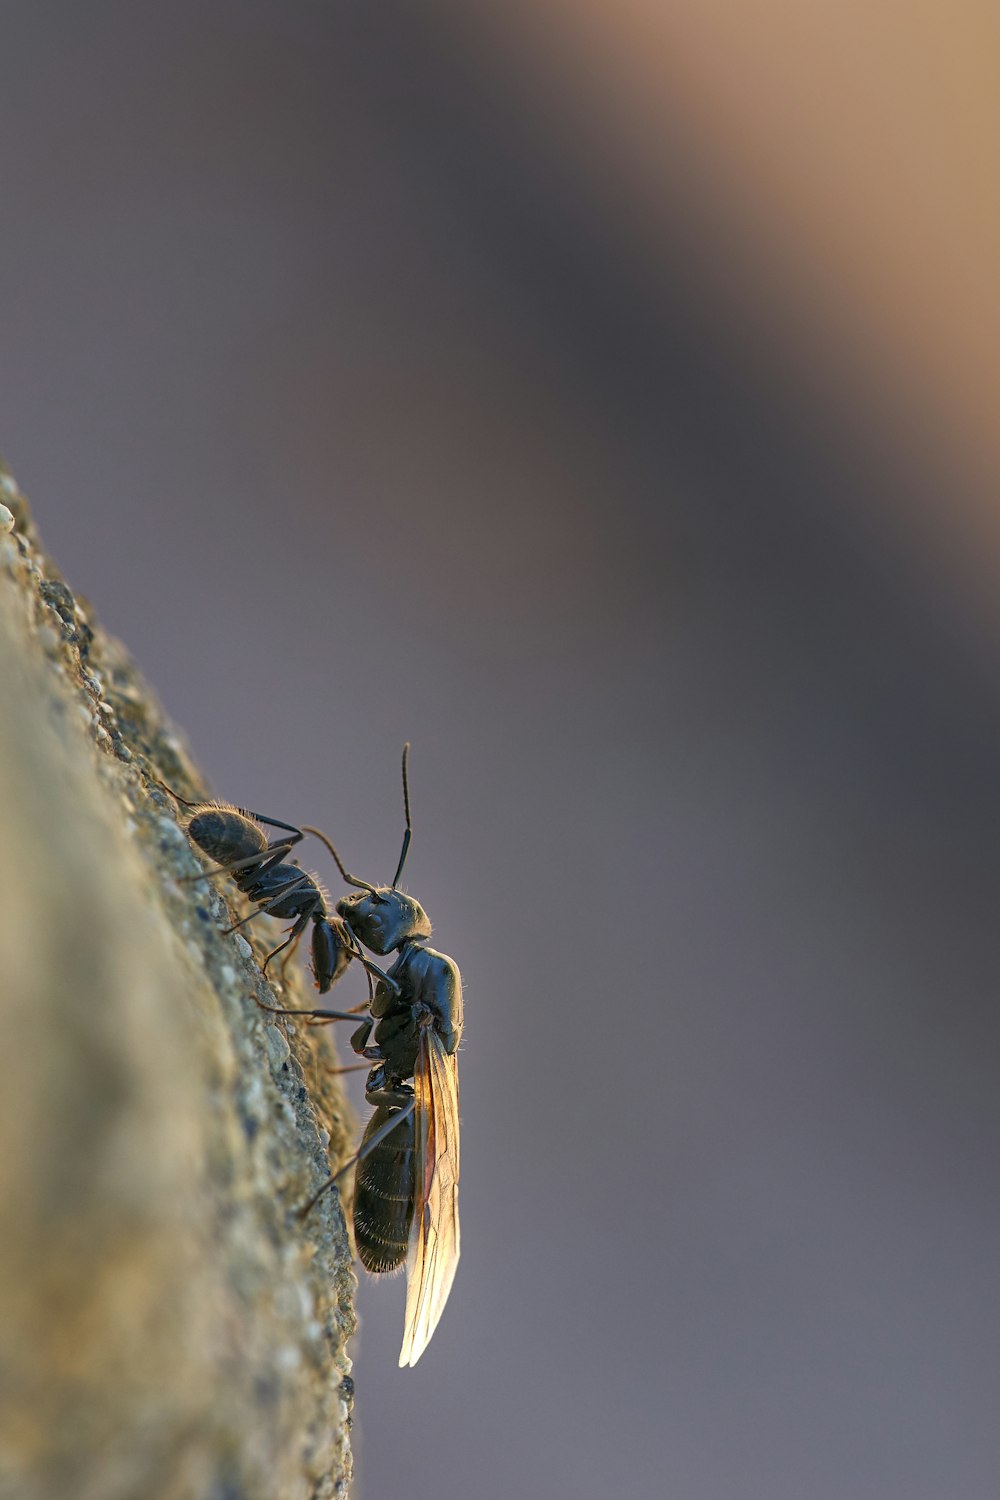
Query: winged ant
{"points": [[406, 1181]]}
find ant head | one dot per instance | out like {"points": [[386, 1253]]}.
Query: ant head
{"points": [[382, 918]]}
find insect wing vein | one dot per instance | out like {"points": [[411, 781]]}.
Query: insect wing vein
{"points": [[434, 1244]]}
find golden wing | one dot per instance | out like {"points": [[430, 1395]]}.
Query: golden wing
{"points": [[434, 1237]]}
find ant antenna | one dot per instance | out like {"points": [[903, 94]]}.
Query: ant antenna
{"points": [[406, 808], [353, 879], [349, 879]]}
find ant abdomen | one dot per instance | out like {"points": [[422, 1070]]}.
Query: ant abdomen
{"points": [[230, 837], [384, 1193]]}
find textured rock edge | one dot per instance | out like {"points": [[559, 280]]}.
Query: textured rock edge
{"points": [[169, 1326]]}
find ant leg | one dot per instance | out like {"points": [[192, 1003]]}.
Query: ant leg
{"points": [[290, 943], [274, 823], [371, 968], [169, 789], [323, 1015], [276, 900], [283, 966], [266, 859], [369, 1145], [319, 834]]}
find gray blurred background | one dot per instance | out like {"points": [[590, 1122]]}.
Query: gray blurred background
{"points": [[603, 400]]}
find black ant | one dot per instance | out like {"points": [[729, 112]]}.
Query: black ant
{"points": [[406, 1185], [234, 839]]}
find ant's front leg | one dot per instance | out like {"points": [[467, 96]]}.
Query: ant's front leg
{"points": [[380, 974]]}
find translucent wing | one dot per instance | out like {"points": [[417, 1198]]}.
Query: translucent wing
{"points": [[434, 1238]]}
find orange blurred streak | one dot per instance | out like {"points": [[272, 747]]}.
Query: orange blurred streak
{"points": [[842, 165]]}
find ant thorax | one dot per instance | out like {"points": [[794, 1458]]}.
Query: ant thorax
{"points": [[430, 982]]}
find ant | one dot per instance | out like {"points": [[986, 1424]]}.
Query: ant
{"points": [[234, 839], [406, 1184]]}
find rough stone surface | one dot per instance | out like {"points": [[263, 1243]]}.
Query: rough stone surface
{"points": [[169, 1326]]}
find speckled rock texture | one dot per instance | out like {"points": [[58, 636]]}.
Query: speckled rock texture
{"points": [[170, 1328]]}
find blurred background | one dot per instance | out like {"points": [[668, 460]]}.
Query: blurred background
{"points": [[604, 399]]}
